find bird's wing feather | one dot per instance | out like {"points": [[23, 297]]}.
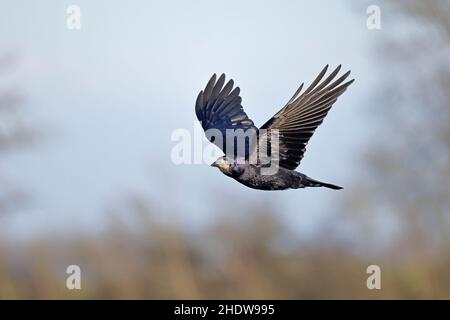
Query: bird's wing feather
{"points": [[219, 107], [295, 123]]}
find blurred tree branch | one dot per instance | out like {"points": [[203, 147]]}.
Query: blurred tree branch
{"points": [[407, 181], [14, 132]]}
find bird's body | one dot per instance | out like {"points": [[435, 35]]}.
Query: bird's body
{"points": [[250, 175], [266, 158]]}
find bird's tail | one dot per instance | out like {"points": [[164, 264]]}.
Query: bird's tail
{"points": [[308, 182]]}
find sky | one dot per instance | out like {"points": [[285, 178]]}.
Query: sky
{"points": [[107, 98]]}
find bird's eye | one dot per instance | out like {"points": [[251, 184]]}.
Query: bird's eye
{"points": [[213, 139]]}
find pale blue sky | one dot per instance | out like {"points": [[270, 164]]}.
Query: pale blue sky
{"points": [[110, 94]]}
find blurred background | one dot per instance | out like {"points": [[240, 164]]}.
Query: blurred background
{"points": [[86, 176]]}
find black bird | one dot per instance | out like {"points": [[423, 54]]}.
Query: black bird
{"points": [[279, 144]]}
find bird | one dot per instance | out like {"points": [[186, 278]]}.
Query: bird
{"points": [[268, 156]]}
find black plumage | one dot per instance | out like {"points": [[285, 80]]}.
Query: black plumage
{"points": [[280, 143]]}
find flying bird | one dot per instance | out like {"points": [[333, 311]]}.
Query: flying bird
{"points": [[268, 156]]}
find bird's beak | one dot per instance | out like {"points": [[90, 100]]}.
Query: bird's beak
{"points": [[213, 164]]}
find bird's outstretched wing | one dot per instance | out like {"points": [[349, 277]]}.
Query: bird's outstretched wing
{"points": [[219, 109], [297, 121]]}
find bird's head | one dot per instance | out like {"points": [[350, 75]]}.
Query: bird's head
{"points": [[223, 165]]}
